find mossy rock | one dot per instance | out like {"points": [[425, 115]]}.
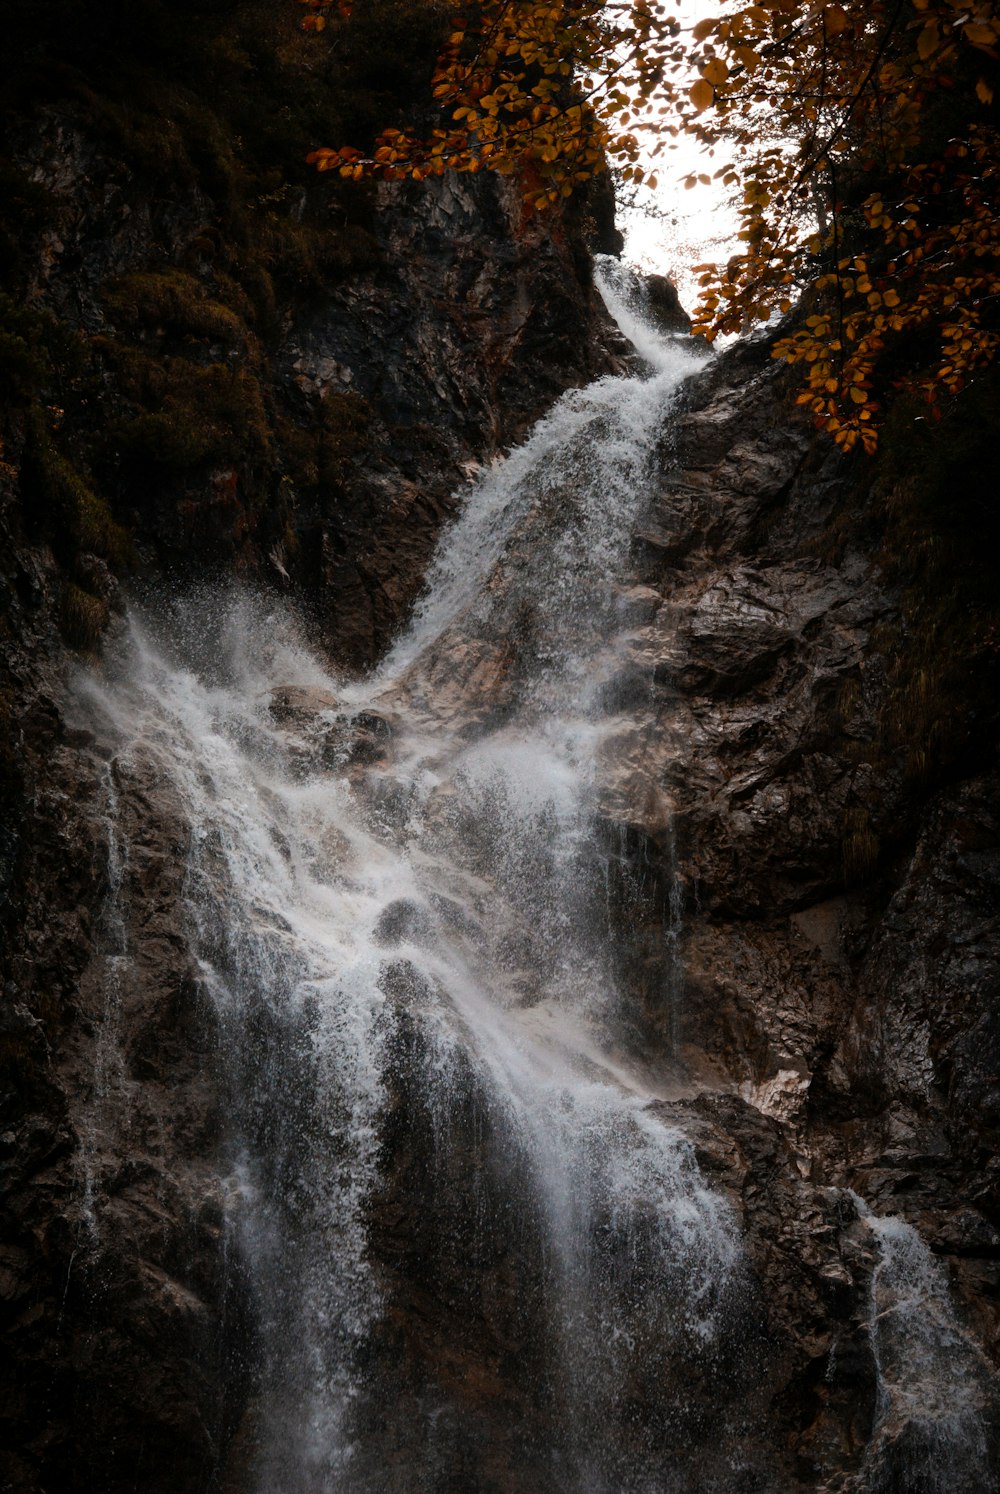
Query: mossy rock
{"points": [[36, 350], [82, 616], [62, 504], [206, 414], [172, 302]]}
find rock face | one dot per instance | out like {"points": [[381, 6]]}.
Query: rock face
{"points": [[847, 994], [664, 306], [309, 434]]}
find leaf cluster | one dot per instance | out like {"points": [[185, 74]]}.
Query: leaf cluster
{"points": [[862, 145]]}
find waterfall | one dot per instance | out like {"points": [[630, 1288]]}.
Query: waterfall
{"points": [[932, 1382], [446, 1155]]}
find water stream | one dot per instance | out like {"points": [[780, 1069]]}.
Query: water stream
{"points": [[397, 891], [478, 1250], [933, 1383]]}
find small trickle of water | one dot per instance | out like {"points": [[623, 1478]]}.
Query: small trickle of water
{"points": [[108, 1111], [932, 1383]]}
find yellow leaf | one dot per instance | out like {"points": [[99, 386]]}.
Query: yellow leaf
{"points": [[858, 395], [984, 92], [703, 29], [715, 72], [928, 40], [980, 35]]}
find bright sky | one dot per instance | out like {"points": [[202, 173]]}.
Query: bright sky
{"points": [[673, 228]]}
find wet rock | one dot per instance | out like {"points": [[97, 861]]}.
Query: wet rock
{"points": [[404, 922], [665, 304], [301, 705], [370, 735]]}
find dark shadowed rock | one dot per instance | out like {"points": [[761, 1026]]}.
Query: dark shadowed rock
{"points": [[301, 705], [665, 304]]}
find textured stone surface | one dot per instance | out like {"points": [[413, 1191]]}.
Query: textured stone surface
{"points": [[836, 1013], [127, 1351]]}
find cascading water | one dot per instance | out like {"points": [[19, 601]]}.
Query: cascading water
{"points": [[933, 1384], [444, 1153]]}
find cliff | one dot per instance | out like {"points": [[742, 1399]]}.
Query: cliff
{"points": [[217, 368], [235, 395]]}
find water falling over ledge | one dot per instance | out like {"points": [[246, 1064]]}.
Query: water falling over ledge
{"points": [[474, 1234]]}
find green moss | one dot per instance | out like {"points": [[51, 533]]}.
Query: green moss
{"points": [[304, 258], [345, 421], [170, 301], [36, 350], [61, 502], [21, 367], [212, 413], [83, 617], [25, 208]]}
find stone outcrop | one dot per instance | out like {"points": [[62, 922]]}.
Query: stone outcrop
{"points": [[663, 304], [839, 951]]}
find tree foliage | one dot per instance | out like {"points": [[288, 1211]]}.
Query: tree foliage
{"points": [[859, 138]]}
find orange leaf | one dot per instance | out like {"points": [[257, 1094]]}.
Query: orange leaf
{"points": [[927, 41], [979, 35], [701, 94], [715, 72], [836, 20]]}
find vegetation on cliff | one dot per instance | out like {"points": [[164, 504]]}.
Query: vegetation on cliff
{"points": [[864, 145], [864, 142], [139, 395]]}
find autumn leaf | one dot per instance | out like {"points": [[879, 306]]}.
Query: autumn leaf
{"points": [[715, 72], [701, 94], [806, 101], [928, 40], [980, 35]]}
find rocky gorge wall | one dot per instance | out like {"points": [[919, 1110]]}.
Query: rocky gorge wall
{"points": [[834, 1004], [839, 938], [212, 369]]}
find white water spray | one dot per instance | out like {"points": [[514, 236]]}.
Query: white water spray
{"points": [[932, 1382], [418, 934]]}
